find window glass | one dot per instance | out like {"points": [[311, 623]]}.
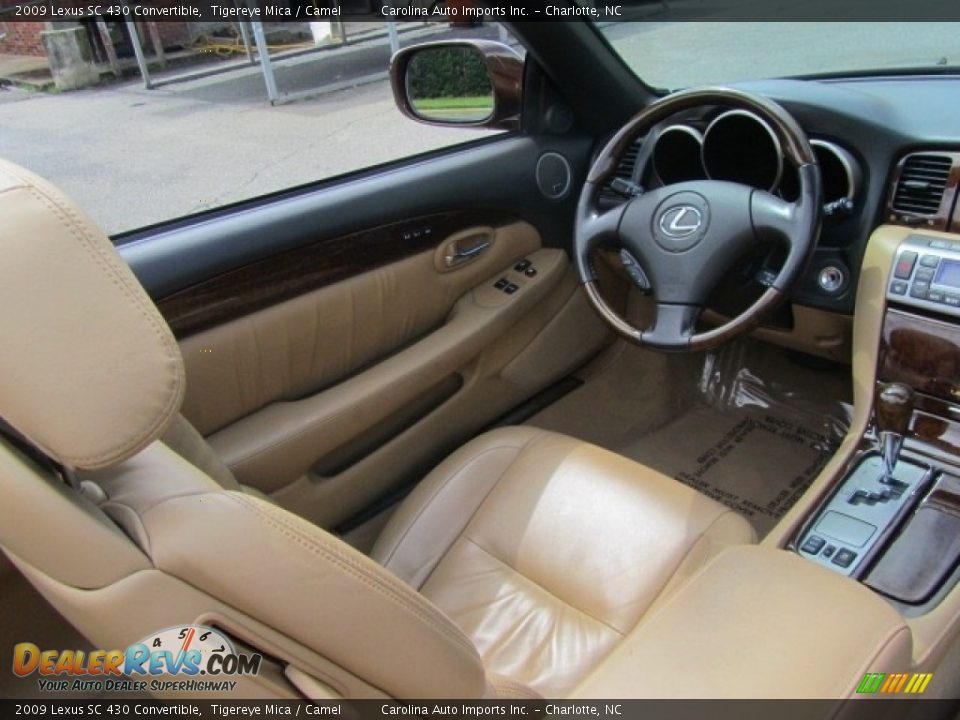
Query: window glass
{"points": [[206, 134], [674, 55]]}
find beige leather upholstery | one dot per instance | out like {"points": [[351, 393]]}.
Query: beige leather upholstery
{"points": [[547, 551], [183, 439], [757, 623], [524, 563], [291, 575], [89, 371]]}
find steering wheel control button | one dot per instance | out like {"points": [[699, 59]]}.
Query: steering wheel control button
{"points": [[904, 267], [844, 557], [681, 221], [813, 545], [899, 287], [636, 273]]}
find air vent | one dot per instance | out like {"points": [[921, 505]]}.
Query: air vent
{"points": [[922, 182], [624, 171]]}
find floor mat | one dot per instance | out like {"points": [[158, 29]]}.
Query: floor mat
{"points": [[756, 463], [746, 425]]}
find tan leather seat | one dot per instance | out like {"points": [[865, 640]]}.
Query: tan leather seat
{"points": [[546, 550], [516, 566]]}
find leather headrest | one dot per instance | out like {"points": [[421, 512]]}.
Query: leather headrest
{"points": [[89, 370]]}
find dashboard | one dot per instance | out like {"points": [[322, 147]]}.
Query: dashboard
{"points": [[887, 150]]}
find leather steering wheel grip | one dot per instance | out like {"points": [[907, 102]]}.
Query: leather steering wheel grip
{"points": [[685, 235]]}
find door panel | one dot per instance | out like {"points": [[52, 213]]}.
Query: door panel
{"points": [[338, 342], [290, 351]]}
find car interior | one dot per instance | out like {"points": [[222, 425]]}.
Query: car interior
{"points": [[650, 396]]}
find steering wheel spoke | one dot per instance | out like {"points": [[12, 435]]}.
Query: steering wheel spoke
{"points": [[773, 218], [673, 327]]}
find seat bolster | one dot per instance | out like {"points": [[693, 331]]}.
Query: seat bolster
{"points": [[436, 513], [306, 583]]}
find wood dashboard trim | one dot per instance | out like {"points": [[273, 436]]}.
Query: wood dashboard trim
{"points": [[291, 273]]}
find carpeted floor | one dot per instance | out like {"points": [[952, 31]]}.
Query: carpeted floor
{"points": [[748, 425]]}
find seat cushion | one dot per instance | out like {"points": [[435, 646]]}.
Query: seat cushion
{"points": [[546, 550]]}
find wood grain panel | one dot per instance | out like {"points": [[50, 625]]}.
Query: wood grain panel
{"points": [[923, 353], [294, 272]]}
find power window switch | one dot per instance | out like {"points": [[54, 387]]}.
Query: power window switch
{"points": [[522, 265], [501, 283], [530, 271], [510, 288]]}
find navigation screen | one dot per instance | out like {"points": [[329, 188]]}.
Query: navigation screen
{"points": [[949, 273]]}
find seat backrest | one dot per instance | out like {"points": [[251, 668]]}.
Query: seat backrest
{"points": [[91, 375]]}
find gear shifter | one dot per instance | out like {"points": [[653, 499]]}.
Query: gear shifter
{"points": [[893, 412]]}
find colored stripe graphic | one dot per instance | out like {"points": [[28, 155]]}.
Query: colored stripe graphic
{"points": [[893, 683], [871, 683]]}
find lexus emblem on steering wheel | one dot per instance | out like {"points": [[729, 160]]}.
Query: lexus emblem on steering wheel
{"points": [[680, 221]]}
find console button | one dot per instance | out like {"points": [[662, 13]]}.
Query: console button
{"points": [[844, 557], [951, 300], [899, 287], [905, 265], [919, 290], [935, 296], [955, 247], [828, 551], [924, 274], [939, 244], [930, 261], [813, 544]]}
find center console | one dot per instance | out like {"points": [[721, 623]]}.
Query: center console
{"points": [[892, 520]]}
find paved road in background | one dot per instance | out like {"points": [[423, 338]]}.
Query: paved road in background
{"points": [[134, 157]]}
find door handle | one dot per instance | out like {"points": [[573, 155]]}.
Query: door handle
{"points": [[464, 249]]}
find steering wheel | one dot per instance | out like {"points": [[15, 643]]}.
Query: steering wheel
{"points": [[685, 236]]}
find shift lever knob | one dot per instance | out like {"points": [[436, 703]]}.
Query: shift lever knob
{"points": [[894, 408]]}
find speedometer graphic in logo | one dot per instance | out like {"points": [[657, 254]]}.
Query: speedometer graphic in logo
{"points": [[193, 644]]}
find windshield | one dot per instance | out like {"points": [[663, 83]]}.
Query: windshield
{"points": [[675, 55]]}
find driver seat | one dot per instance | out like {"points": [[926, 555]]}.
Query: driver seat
{"points": [[512, 570]]}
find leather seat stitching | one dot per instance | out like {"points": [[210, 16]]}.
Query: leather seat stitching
{"points": [[75, 227], [357, 571], [540, 587], [445, 484]]}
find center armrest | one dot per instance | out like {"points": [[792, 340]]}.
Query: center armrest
{"points": [[757, 623]]}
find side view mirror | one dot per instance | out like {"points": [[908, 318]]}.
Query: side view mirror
{"points": [[471, 83]]}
